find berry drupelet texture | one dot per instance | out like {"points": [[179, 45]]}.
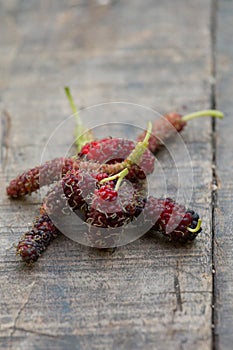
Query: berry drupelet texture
{"points": [[116, 150], [45, 174], [94, 149], [171, 219], [108, 218], [35, 241], [73, 192], [115, 211], [107, 192]]}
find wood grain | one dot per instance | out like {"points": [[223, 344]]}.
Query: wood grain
{"points": [[149, 294], [224, 198]]}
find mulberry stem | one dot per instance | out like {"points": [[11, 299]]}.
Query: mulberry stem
{"points": [[197, 228], [136, 155], [82, 136], [120, 176], [72, 104], [208, 112]]}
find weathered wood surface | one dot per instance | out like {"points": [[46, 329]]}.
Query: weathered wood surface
{"points": [[149, 294], [223, 225]]}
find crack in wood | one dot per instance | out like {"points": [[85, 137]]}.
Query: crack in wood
{"points": [[38, 332], [178, 292], [213, 35], [14, 327]]}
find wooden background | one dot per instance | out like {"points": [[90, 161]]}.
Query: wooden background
{"points": [[164, 54]]}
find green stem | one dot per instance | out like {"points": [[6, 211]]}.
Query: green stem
{"points": [[82, 136], [120, 176], [136, 155], [197, 228], [204, 113], [71, 101]]}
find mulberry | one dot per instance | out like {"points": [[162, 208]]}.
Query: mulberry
{"points": [[49, 172], [108, 219], [116, 150], [171, 123], [35, 241], [72, 192], [172, 219]]}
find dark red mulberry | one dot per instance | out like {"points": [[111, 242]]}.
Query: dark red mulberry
{"points": [[115, 150], [107, 192], [172, 219], [94, 150], [74, 191], [108, 220], [35, 241], [49, 172], [119, 211]]}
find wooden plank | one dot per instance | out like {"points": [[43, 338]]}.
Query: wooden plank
{"points": [[149, 294], [224, 201]]}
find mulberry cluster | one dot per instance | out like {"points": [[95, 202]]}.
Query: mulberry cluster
{"points": [[105, 151], [105, 185], [118, 209], [52, 171], [102, 207]]}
